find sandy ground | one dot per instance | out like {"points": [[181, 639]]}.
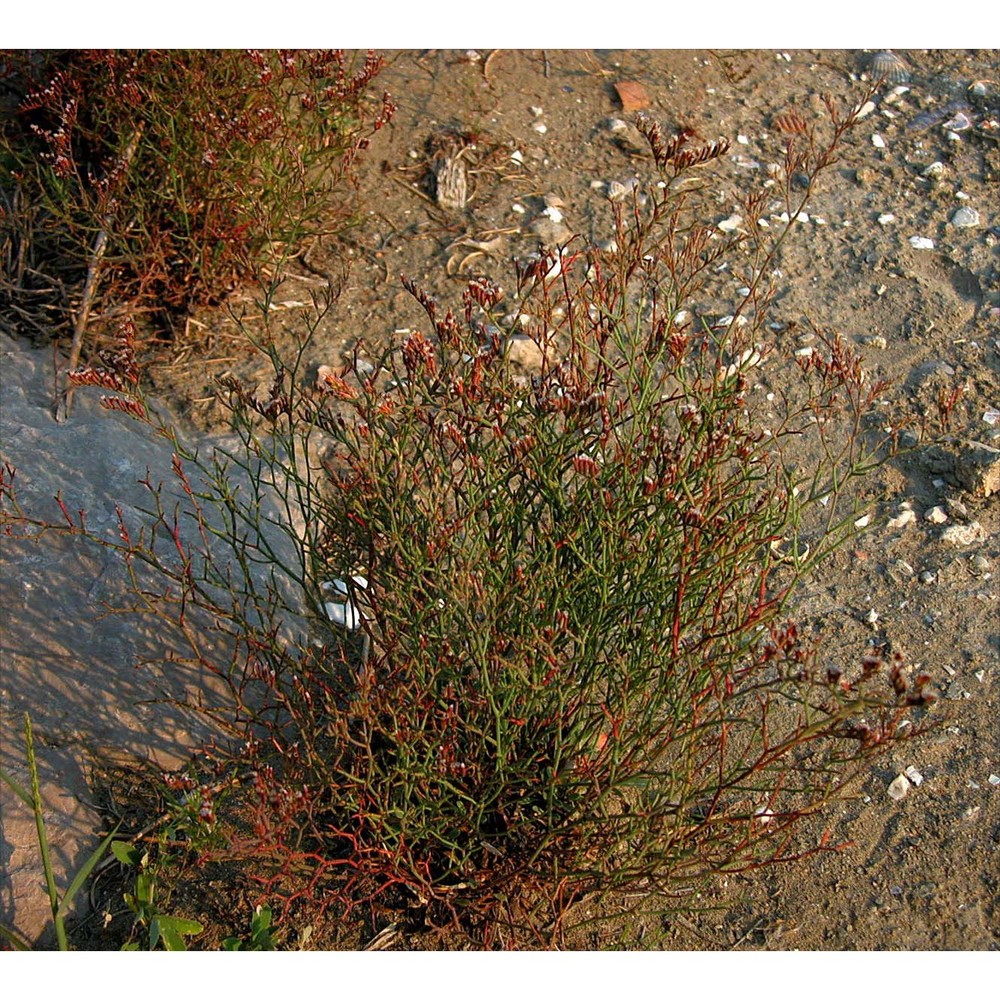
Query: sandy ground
{"points": [[923, 871]]}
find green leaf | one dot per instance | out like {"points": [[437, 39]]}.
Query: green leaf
{"points": [[127, 854], [16, 788], [231, 944], [174, 929], [84, 873], [181, 925]]}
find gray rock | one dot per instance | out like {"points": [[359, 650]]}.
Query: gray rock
{"points": [[965, 217]]}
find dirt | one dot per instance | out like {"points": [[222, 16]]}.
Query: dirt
{"points": [[921, 872]]}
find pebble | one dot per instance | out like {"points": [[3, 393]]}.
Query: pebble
{"points": [[877, 141], [905, 517], [980, 563], [934, 170], [928, 577], [921, 243], [731, 224], [956, 692], [885, 218], [977, 468], [956, 509], [900, 571], [964, 534], [965, 218], [899, 786], [936, 515], [523, 351], [914, 775], [994, 779]]}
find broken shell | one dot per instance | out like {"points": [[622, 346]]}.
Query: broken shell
{"points": [[889, 67], [899, 787], [921, 243], [914, 775]]}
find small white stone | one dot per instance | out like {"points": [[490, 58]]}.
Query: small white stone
{"points": [[936, 515], [537, 112], [743, 140], [899, 787], [965, 218], [921, 243], [877, 141], [540, 127], [914, 775], [885, 218], [731, 224], [994, 779], [866, 109], [516, 207], [517, 156], [863, 522], [964, 534], [904, 518], [936, 169]]}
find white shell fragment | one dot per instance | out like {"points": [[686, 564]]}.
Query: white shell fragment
{"points": [[899, 787], [914, 775], [877, 141], [343, 611], [885, 218], [731, 224], [921, 243]]}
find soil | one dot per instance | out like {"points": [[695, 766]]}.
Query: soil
{"points": [[537, 129]]}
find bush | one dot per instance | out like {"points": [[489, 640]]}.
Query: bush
{"points": [[549, 651], [161, 180]]}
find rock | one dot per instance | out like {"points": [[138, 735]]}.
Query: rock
{"points": [[523, 351], [971, 465], [965, 218], [916, 778], [957, 510], [905, 517], [977, 468], [633, 95], [936, 515], [964, 534], [898, 788], [900, 571]]}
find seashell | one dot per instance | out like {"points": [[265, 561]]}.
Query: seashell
{"points": [[889, 67], [960, 122]]}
